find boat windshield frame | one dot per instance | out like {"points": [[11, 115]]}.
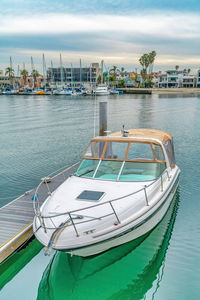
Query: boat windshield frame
{"points": [[99, 160]]}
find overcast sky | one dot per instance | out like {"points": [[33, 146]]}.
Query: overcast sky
{"points": [[118, 32]]}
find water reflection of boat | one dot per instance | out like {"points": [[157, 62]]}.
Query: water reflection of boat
{"points": [[10, 267], [125, 272]]}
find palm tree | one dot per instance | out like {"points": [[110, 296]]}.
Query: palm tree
{"points": [[24, 74], [143, 73], [10, 72], [152, 56], [176, 67], [144, 61], [189, 70], [114, 71], [35, 74]]}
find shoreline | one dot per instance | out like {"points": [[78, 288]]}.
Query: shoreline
{"points": [[160, 90]]}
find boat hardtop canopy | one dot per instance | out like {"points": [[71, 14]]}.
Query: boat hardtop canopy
{"points": [[132, 155], [141, 134]]}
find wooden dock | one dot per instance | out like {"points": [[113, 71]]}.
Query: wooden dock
{"points": [[17, 216]]}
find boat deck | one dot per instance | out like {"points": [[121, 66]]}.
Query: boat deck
{"points": [[16, 217]]}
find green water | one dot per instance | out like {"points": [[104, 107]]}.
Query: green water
{"points": [[40, 135]]}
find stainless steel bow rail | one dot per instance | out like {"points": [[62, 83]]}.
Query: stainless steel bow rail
{"points": [[72, 215], [16, 217]]}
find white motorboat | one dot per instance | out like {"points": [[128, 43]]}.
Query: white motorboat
{"points": [[101, 91], [121, 190]]}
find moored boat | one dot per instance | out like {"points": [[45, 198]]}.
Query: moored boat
{"points": [[101, 91], [120, 191]]}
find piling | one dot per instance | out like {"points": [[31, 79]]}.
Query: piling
{"points": [[103, 118]]}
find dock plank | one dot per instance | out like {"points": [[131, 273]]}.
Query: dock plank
{"points": [[17, 216]]}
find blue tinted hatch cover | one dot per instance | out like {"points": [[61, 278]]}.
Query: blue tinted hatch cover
{"points": [[90, 195]]}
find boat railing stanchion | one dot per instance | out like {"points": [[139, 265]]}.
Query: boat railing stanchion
{"points": [[43, 224], [115, 213], [168, 176], [146, 198], [161, 178], [73, 224]]}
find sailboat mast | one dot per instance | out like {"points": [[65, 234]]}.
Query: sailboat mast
{"points": [[44, 69], [90, 77], [71, 75], [52, 76], [80, 73], [61, 71], [11, 68], [32, 69], [32, 64], [101, 71], [11, 64]]}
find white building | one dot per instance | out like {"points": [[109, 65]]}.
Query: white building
{"points": [[176, 79], [198, 79]]}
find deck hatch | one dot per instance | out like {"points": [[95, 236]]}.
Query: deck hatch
{"points": [[90, 195]]}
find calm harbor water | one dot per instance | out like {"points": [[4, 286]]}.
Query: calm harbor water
{"points": [[41, 134]]}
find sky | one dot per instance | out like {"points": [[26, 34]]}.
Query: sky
{"points": [[115, 31]]}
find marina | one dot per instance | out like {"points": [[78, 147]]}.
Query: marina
{"points": [[167, 257]]}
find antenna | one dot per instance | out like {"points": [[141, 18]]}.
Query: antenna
{"points": [[124, 132]]}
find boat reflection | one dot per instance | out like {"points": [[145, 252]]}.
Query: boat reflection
{"points": [[125, 272]]}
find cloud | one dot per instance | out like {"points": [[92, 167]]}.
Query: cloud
{"points": [[117, 39], [170, 25]]}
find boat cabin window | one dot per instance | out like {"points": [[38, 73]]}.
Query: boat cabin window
{"points": [[169, 147], [140, 151], [122, 161], [87, 168], [158, 152], [115, 150], [108, 169], [95, 149]]}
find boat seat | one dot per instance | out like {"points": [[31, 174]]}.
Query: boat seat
{"points": [[128, 177]]}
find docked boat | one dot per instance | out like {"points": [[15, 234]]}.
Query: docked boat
{"points": [[101, 91], [120, 191], [114, 91]]}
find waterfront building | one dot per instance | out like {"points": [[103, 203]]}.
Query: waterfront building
{"points": [[73, 76], [4, 81], [188, 81], [198, 79], [176, 79]]}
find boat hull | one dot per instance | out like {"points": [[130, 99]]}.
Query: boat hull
{"points": [[131, 234], [102, 93]]}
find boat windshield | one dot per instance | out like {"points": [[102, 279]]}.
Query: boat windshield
{"points": [[122, 161]]}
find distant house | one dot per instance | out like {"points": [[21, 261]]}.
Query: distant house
{"points": [[176, 79], [198, 79], [4, 80], [188, 81]]}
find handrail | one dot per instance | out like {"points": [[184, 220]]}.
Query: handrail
{"points": [[70, 213], [35, 198]]}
